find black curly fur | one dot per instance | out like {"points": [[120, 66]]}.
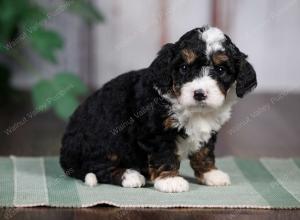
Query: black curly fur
{"points": [[122, 126]]}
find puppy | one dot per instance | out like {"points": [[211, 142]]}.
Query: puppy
{"points": [[141, 124]]}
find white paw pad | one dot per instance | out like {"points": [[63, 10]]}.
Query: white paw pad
{"points": [[171, 184], [132, 178], [216, 178], [90, 179]]}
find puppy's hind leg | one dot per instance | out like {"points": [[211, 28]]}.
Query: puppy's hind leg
{"points": [[90, 179], [109, 174], [125, 177]]}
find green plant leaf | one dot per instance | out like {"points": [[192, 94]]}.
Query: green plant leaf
{"points": [[65, 106], [69, 80], [34, 15], [87, 11], [41, 94], [2, 48], [59, 93], [46, 43], [9, 17]]}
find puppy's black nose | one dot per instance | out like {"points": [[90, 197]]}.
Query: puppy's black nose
{"points": [[199, 95]]}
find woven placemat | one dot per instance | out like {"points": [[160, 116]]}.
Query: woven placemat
{"points": [[264, 183]]}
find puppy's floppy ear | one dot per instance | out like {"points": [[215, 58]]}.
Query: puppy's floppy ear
{"points": [[246, 77], [161, 67], [165, 55]]}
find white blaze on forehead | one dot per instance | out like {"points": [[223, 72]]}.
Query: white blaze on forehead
{"points": [[213, 38], [213, 35]]}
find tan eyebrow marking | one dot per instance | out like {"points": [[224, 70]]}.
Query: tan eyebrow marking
{"points": [[188, 55], [219, 58]]}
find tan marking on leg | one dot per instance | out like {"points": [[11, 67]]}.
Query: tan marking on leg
{"points": [[113, 157], [162, 172], [170, 122], [202, 163]]}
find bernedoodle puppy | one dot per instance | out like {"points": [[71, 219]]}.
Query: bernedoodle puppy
{"points": [[141, 124]]}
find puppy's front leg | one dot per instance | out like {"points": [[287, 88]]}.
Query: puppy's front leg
{"points": [[203, 164], [164, 172]]}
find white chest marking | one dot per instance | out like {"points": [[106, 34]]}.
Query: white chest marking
{"points": [[198, 128]]}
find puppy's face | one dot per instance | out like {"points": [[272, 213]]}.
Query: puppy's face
{"points": [[202, 67]]}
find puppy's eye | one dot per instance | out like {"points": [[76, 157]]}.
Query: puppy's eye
{"points": [[183, 68], [220, 69]]}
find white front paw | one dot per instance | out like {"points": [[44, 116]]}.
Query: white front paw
{"points": [[132, 179], [216, 178], [171, 184]]}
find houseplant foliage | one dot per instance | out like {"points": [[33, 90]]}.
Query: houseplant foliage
{"points": [[22, 24]]}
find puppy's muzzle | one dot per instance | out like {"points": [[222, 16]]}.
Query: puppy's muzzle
{"points": [[199, 95]]}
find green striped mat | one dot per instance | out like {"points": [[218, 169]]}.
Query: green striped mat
{"points": [[264, 183]]}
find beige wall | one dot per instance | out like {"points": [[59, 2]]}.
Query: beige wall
{"points": [[131, 36], [267, 30]]}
